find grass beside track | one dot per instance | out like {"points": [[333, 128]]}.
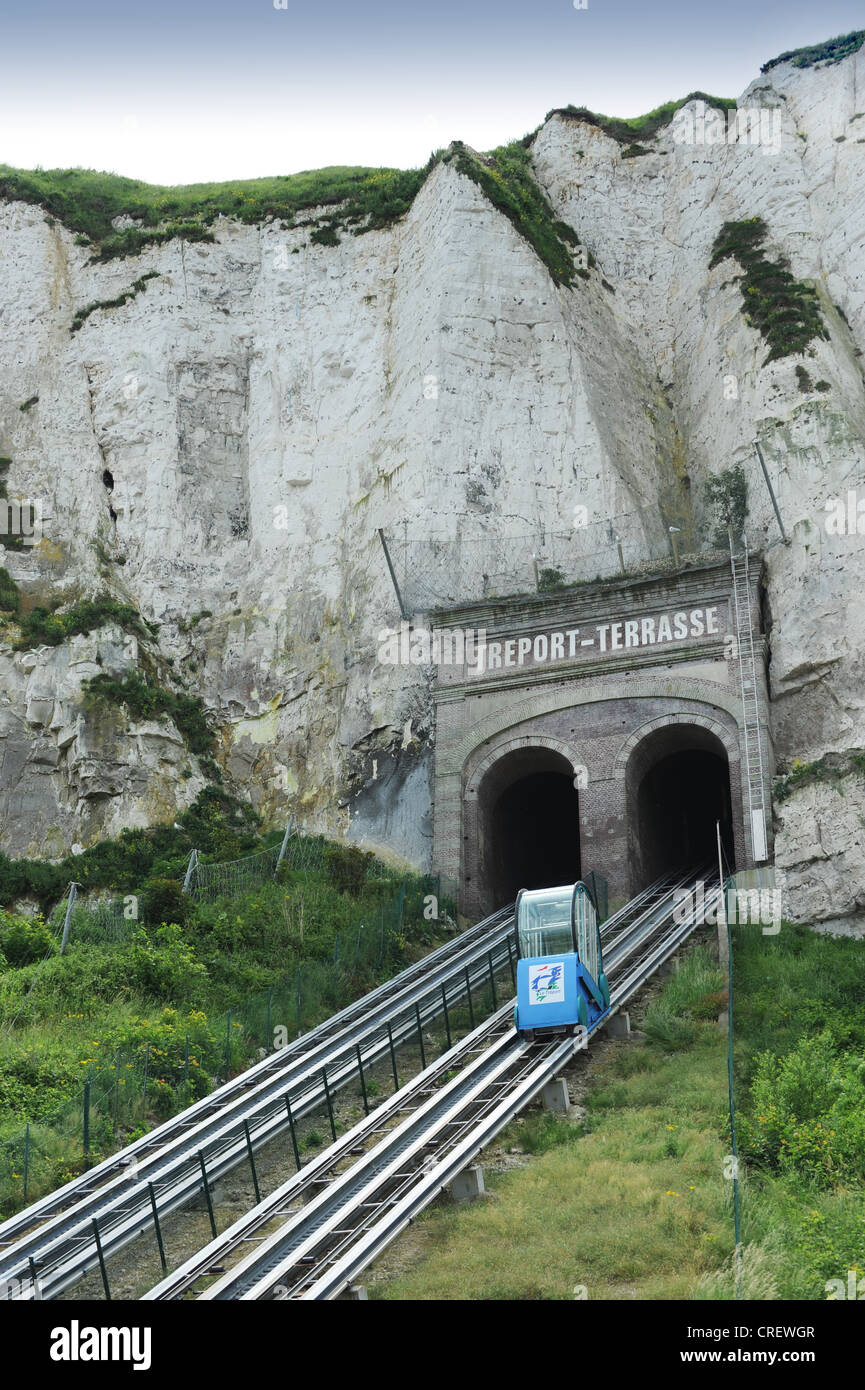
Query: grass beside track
{"points": [[629, 1200], [154, 1018]]}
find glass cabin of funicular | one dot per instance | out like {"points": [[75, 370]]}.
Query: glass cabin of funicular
{"points": [[556, 921], [545, 921]]}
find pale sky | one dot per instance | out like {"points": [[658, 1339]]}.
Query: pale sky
{"points": [[197, 90]]}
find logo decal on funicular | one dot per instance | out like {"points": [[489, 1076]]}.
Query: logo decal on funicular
{"points": [[547, 983]]}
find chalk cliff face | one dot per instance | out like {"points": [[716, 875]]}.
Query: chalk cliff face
{"points": [[228, 441]]}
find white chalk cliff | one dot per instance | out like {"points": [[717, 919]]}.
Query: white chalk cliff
{"points": [[261, 413]]}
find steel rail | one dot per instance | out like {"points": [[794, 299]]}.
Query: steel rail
{"points": [[54, 1201], [335, 1217], [307, 1181], [339, 1272], [60, 1241], [277, 1203]]}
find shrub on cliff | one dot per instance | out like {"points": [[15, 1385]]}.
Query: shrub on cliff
{"points": [[347, 867], [24, 940], [163, 900]]}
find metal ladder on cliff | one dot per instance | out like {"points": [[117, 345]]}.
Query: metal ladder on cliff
{"points": [[753, 740]]}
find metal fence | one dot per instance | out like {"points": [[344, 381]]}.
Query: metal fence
{"points": [[439, 569], [175, 1059]]}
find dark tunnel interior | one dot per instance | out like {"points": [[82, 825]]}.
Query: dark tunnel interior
{"points": [[536, 831], [530, 825], [675, 807], [677, 789]]}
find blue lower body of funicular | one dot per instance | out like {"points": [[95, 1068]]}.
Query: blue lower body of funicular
{"points": [[557, 992]]}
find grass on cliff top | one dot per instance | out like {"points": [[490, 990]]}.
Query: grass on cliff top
{"points": [[831, 52], [86, 201], [623, 130], [631, 1201]]}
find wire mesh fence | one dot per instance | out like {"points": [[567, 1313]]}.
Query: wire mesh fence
{"points": [[227, 878], [207, 881], [174, 1059], [104, 920], [439, 569]]}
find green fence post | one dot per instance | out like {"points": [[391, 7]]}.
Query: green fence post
{"points": [[392, 1058], [420, 1037], [362, 1079], [336, 968], [252, 1161], [228, 1046], [293, 1132], [447, 1016], [102, 1268], [267, 1024], [26, 1158], [116, 1089], [146, 1069], [329, 1105], [469, 993], [299, 1004], [186, 1060], [157, 1227], [86, 1136], [207, 1197]]}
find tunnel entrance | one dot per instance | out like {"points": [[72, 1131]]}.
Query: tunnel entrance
{"points": [[529, 825], [678, 789]]}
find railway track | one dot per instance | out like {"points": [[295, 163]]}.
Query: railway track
{"points": [[53, 1241], [317, 1231]]}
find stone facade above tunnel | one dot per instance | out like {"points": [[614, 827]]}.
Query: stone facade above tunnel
{"points": [[594, 708]]}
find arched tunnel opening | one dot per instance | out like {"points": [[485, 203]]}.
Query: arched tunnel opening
{"points": [[678, 792], [528, 825]]}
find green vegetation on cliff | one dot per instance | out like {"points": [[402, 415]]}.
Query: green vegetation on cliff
{"points": [[88, 202], [831, 52], [623, 130], [783, 310], [141, 693], [10, 597], [505, 176], [48, 627], [217, 825], [145, 698], [832, 768], [81, 315]]}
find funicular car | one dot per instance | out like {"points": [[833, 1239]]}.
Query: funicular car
{"points": [[561, 986]]}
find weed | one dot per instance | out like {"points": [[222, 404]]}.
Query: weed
{"points": [[783, 310]]}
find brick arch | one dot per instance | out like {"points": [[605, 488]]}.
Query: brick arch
{"points": [[475, 774], [453, 759], [474, 805], [702, 721]]}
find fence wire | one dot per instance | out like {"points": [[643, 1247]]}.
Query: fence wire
{"points": [[439, 569], [174, 1059], [227, 878]]}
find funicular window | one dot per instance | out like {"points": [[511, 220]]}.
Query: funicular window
{"points": [[588, 936], [544, 922]]}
